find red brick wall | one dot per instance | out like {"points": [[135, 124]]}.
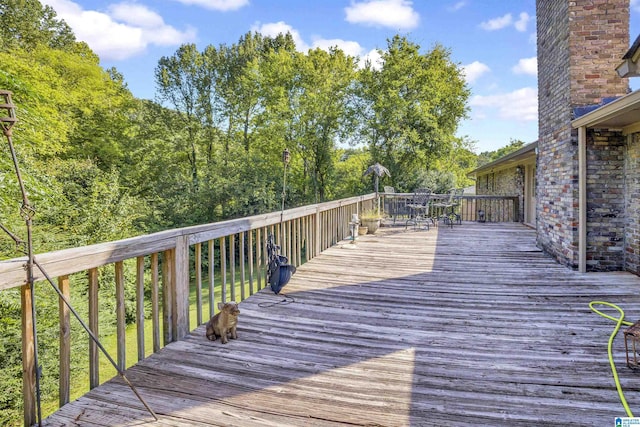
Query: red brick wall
{"points": [[579, 44], [598, 38]]}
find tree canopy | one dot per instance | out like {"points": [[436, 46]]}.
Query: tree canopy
{"points": [[101, 165]]}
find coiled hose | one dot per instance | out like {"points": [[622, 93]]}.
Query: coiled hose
{"points": [[619, 322]]}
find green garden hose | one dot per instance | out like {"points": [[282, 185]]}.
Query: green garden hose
{"points": [[619, 322]]}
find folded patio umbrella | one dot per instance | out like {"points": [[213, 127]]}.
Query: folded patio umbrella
{"points": [[279, 271]]}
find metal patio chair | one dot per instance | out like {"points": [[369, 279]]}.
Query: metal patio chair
{"points": [[390, 202], [448, 207], [419, 209]]}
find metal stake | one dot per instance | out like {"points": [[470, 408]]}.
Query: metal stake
{"points": [[28, 212]]}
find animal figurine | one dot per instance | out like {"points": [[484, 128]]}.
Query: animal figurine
{"points": [[224, 322]]}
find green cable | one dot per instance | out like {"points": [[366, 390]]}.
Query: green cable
{"points": [[619, 322]]}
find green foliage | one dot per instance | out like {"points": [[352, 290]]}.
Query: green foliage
{"points": [[412, 106], [26, 24], [437, 181], [100, 165], [349, 166], [489, 156], [69, 145]]}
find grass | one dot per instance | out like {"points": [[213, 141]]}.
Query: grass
{"points": [[80, 378]]}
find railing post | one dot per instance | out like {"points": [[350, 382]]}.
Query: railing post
{"points": [[120, 317], [182, 286], [65, 343], [140, 306], [168, 281], [94, 363], [28, 362], [155, 321], [516, 209], [198, 272], [318, 238]]}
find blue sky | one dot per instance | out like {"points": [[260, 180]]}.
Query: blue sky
{"points": [[493, 40]]}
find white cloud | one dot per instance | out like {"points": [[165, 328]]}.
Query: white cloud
{"points": [[521, 24], [351, 48], [506, 21], [474, 70], [396, 14], [520, 105], [272, 29], [125, 30], [456, 7], [497, 23], [135, 14], [526, 66], [222, 5], [374, 57]]}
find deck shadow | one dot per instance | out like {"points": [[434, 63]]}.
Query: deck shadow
{"points": [[465, 326]]}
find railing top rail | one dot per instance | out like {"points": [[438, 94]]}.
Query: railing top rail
{"points": [[73, 260], [464, 196]]}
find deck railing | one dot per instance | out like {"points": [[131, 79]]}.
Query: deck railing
{"points": [[469, 207], [174, 262]]}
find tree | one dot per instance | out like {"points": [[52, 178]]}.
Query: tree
{"points": [[26, 24], [489, 156], [182, 81], [324, 112], [348, 179], [413, 105]]}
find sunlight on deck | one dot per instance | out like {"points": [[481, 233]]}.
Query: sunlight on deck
{"points": [[348, 383], [442, 327]]}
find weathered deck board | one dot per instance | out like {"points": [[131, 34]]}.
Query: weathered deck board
{"points": [[465, 326]]}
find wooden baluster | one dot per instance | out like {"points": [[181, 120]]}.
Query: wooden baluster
{"points": [[155, 312], [318, 228], [167, 296], [94, 362], [288, 240], [140, 306], [28, 361], [64, 383], [242, 266], [232, 264], [259, 261], [182, 285], [223, 267], [120, 317], [212, 280], [251, 262], [300, 239], [198, 267]]}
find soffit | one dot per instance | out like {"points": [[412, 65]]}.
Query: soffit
{"points": [[618, 114]]}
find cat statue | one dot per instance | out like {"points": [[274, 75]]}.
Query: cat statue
{"points": [[224, 322]]}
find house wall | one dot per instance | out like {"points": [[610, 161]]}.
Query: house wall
{"points": [[632, 205], [579, 44], [504, 182], [557, 152], [606, 218]]}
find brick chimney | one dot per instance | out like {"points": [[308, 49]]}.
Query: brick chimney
{"points": [[579, 45]]}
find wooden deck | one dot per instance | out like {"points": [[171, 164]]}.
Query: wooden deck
{"points": [[465, 326]]}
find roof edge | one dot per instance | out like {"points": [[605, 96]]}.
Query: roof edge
{"points": [[532, 146], [607, 111]]}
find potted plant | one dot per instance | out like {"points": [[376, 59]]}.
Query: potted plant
{"points": [[371, 220]]}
